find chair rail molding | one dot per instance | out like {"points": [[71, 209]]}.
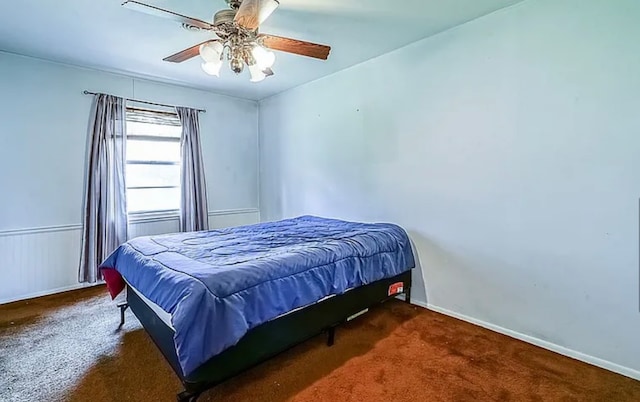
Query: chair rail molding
{"points": [[42, 229]]}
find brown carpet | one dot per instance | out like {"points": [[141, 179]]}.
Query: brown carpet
{"points": [[66, 348]]}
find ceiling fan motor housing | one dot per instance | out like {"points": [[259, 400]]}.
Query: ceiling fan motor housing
{"points": [[224, 17]]}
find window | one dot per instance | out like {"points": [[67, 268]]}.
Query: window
{"points": [[153, 161]]}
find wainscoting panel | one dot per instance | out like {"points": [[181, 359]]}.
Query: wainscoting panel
{"points": [[39, 261], [43, 261]]}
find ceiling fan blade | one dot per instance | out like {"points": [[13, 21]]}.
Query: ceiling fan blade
{"points": [[160, 12], [252, 13], [296, 46], [186, 54]]}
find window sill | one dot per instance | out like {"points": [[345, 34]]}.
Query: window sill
{"points": [[153, 216]]}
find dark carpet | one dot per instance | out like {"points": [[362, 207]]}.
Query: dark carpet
{"points": [[66, 348]]}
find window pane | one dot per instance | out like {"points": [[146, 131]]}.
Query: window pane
{"points": [[158, 199], [153, 151], [146, 123], [153, 175], [158, 130]]}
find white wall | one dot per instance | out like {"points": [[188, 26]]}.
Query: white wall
{"points": [[509, 148], [44, 119]]}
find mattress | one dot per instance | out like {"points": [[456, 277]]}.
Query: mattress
{"points": [[166, 317], [162, 315], [217, 285]]}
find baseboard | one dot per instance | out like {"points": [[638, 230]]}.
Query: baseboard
{"points": [[595, 361], [50, 292]]}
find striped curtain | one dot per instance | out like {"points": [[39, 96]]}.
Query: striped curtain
{"points": [[105, 208], [194, 214]]}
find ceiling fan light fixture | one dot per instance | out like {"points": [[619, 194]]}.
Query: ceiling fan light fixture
{"points": [[256, 72], [211, 51], [212, 67], [264, 57]]}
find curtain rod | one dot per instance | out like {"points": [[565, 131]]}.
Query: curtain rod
{"points": [[141, 101]]}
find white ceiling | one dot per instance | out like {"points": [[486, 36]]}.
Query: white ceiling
{"points": [[102, 34]]}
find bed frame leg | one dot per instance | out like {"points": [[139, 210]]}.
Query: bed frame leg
{"points": [[331, 338], [407, 296], [186, 396], [123, 307]]}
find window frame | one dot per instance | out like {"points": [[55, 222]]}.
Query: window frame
{"points": [[154, 214]]}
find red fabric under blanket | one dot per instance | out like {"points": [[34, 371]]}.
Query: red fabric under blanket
{"points": [[114, 281]]}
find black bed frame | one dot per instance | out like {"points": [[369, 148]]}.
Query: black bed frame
{"points": [[268, 339]]}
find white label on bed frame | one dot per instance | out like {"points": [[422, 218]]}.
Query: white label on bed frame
{"points": [[358, 314]]}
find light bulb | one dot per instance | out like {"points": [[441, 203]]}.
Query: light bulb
{"points": [[236, 65], [256, 73], [211, 51], [212, 68], [264, 58]]}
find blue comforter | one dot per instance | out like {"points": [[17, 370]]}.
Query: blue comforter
{"points": [[219, 284]]}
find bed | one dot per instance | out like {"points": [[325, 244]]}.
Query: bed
{"points": [[219, 302]]}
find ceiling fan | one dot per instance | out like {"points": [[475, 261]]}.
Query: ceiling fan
{"points": [[238, 38]]}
